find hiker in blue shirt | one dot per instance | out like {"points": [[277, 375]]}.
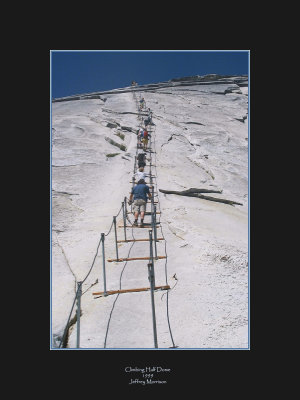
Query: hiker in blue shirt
{"points": [[139, 195]]}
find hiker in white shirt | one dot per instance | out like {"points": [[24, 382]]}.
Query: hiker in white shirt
{"points": [[140, 174], [139, 137]]}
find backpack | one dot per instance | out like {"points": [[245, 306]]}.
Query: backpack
{"points": [[141, 164], [141, 157], [145, 134]]}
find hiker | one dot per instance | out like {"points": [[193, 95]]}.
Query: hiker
{"points": [[147, 121], [139, 196], [145, 139], [140, 136], [141, 159], [142, 103], [140, 174]]}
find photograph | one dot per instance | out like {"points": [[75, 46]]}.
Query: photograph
{"points": [[149, 203]]}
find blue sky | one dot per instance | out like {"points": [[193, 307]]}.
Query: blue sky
{"points": [[75, 72]]}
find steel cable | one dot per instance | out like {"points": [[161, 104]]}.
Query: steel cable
{"points": [[166, 262], [114, 303], [167, 302], [67, 325], [106, 234], [120, 282], [81, 283]]}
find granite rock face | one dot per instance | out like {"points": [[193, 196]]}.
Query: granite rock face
{"points": [[200, 139]]}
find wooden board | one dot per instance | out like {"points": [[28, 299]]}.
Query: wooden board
{"points": [[137, 240], [134, 259], [132, 226], [146, 213], [148, 202], [166, 287], [147, 165]]}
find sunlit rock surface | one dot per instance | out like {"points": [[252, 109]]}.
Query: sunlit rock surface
{"points": [[200, 138]]}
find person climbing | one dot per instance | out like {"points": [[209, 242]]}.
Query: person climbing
{"points": [[142, 103], [145, 139], [140, 174], [139, 196], [140, 136], [141, 159], [150, 118]]}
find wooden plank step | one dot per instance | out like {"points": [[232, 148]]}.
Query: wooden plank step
{"points": [[146, 213], [147, 165], [132, 226], [166, 287], [149, 202], [134, 259], [137, 240]]}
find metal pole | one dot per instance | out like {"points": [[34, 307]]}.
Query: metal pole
{"points": [[124, 219], [155, 233], [152, 200], [125, 203], [103, 263], [150, 168], [151, 249], [78, 314], [152, 218], [152, 286], [116, 238]]}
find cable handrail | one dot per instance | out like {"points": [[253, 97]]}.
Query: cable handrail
{"points": [[153, 218], [81, 283]]}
